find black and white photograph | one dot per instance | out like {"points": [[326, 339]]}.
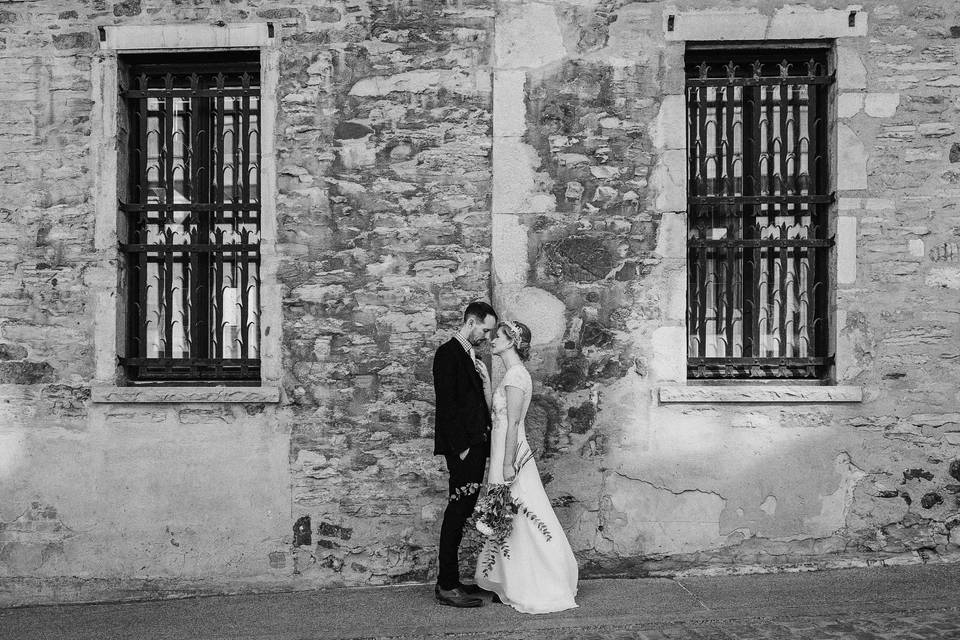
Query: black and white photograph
{"points": [[479, 319]]}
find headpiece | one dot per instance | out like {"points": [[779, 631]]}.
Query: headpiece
{"points": [[515, 332]]}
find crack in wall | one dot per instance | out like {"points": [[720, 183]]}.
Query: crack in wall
{"points": [[669, 490]]}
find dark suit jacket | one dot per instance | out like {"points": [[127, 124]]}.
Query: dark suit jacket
{"points": [[462, 417]]}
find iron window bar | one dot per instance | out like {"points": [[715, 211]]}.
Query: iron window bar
{"points": [[758, 207], [192, 213]]}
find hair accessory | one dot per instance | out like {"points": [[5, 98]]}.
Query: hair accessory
{"points": [[515, 330]]}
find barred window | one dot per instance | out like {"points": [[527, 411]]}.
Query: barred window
{"points": [[759, 199], [192, 235]]}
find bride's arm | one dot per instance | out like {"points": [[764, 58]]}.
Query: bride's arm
{"points": [[514, 408]]}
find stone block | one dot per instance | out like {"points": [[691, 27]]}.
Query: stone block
{"points": [[509, 249], [540, 310], [127, 8], [881, 105], [509, 103], [456, 81], [851, 160], [952, 80], [669, 181], [936, 129], [156, 395], [668, 131], [777, 394], [846, 249], [528, 35], [672, 235], [12, 351], [802, 22], [943, 277], [849, 104], [787, 23], [25, 372], [82, 40], [515, 179], [851, 74], [669, 361], [184, 36]]}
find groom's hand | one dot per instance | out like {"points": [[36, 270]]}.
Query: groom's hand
{"points": [[463, 454]]}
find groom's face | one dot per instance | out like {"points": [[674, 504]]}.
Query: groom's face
{"points": [[482, 331]]}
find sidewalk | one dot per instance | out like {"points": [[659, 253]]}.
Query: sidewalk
{"points": [[850, 603]]}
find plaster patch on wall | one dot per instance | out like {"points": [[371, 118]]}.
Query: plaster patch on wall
{"points": [[769, 505], [834, 507]]}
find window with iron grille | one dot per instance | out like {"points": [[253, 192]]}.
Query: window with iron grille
{"points": [[759, 199], [191, 232]]}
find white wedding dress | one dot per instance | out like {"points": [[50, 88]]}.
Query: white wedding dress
{"points": [[540, 576]]}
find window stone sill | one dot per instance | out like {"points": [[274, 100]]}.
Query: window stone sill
{"points": [[142, 395], [758, 394]]}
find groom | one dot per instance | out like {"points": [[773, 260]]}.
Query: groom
{"points": [[462, 386]]}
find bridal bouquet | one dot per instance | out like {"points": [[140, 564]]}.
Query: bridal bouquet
{"points": [[494, 516]]}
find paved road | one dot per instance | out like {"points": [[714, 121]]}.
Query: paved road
{"points": [[901, 603]]}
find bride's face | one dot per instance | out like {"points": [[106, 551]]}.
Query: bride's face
{"points": [[500, 343]]}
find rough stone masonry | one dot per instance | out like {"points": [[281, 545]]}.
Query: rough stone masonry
{"points": [[429, 153]]}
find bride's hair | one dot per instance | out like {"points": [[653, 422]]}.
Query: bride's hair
{"points": [[520, 334]]}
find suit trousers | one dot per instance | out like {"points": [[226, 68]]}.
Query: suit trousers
{"points": [[462, 472]]}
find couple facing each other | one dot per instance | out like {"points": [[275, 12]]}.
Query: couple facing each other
{"points": [[540, 573]]}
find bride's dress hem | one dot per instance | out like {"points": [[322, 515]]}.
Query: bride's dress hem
{"points": [[536, 611]]}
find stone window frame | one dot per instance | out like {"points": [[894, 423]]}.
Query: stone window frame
{"points": [[104, 277], [733, 26]]}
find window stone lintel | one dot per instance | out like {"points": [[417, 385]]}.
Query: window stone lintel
{"points": [[185, 36], [106, 394], [786, 23], [757, 393]]}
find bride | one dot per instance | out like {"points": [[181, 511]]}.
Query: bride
{"points": [[540, 574]]}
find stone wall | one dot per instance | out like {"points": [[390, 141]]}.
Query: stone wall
{"points": [[382, 144], [595, 228], [431, 153]]}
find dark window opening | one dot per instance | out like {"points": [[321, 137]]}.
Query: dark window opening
{"points": [[190, 232], [759, 200]]}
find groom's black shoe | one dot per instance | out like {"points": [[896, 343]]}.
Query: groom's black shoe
{"points": [[474, 589], [456, 598]]}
